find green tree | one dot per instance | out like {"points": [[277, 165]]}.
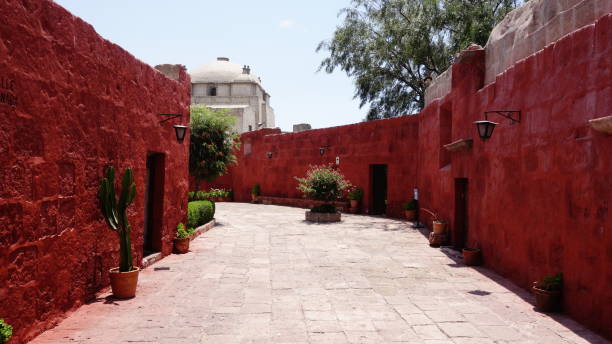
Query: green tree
{"points": [[213, 141], [392, 48]]}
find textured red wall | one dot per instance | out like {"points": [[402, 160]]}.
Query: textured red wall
{"points": [[539, 192], [392, 142], [81, 103]]}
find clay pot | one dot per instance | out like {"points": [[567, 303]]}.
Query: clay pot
{"points": [[547, 301], [438, 227], [410, 214], [471, 256], [437, 240], [181, 245], [124, 283], [354, 203], [253, 197]]}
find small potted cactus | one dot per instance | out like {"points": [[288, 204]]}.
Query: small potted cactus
{"points": [[548, 293], [183, 237], [125, 277], [255, 191]]}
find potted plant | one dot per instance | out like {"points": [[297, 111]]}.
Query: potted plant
{"points": [[472, 256], [323, 183], [6, 332], [410, 209], [438, 225], [125, 277], [355, 196], [183, 237], [255, 191], [548, 293]]}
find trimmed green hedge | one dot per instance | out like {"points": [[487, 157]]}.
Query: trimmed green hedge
{"points": [[199, 213]]}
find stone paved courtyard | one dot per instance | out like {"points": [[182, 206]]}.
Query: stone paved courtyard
{"points": [[263, 275]]}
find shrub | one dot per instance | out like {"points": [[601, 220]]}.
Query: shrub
{"points": [[412, 205], [324, 208], [218, 193], [213, 142], [323, 183], [6, 331], [255, 190], [199, 213], [200, 195], [355, 194], [191, 196]]}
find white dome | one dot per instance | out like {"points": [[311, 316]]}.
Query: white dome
{"points": [[246, 78], [221, 71]]}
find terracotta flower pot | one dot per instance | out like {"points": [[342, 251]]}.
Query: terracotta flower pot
{"points": [[354, 203], [471, 256], [438, 227], [124, 283], [410, 214], [253, 197], [181, 245], [547, 300]]}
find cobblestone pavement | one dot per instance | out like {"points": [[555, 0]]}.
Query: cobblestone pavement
{"points": [[263, 275]]}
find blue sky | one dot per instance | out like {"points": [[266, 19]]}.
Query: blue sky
{"points": [[276, 38]]}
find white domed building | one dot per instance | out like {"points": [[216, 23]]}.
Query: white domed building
{"points": [[222, 84]]}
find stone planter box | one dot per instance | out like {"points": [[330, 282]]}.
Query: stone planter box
{"points": [[323, 217]]}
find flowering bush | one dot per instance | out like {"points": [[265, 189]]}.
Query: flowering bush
{"points": [[323, 183]]}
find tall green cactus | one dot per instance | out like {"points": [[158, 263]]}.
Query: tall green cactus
{"points": [[114, 212]]}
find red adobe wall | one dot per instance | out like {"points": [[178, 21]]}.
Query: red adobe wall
{"points": [[539, 192], [392, 142], [71, 103]]}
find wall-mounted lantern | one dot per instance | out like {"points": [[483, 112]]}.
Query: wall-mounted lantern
{"points": [[179, 130], [269, 155], [337, 160], [323, 149], [485, 128]]}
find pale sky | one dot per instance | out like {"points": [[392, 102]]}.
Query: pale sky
{"points": [[276, 38]]}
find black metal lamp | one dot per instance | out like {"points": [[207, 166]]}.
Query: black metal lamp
{"points": [[180, 131], [485, 129], [269, 154]]}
